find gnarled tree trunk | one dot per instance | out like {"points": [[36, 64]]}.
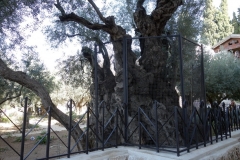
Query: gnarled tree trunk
{"points": [[153, 64], [152, 70]]}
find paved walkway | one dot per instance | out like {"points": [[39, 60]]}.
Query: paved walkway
{"points": [[210, 152]]}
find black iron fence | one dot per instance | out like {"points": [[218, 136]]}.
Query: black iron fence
{"points": [[200, 128]]}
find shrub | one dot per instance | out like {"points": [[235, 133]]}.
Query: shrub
{"points": [[43, 137], [4, 119]]}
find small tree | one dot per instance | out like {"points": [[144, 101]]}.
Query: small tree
{"points": [[222, 77]]}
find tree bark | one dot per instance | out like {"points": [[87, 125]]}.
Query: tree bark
{"points": [[153, 63]]}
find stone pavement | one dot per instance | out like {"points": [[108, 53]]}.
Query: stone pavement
{"points": [[210, 152]]}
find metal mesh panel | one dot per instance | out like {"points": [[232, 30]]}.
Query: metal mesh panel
{"points": [[158, 60], [192, 72]]}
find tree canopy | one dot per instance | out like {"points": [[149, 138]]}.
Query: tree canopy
{"points": [[236, 22], [216, 23], [222, 77]]}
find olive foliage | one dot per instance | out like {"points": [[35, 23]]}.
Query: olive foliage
{"points": [[222, 77]]}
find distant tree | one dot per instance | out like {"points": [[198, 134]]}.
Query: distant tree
{"points": [[9, 91], [222, 77], [187, 16], [236, 22], [209, 30], [31, 65], [12, 14], [223, 21], [76, 75]]}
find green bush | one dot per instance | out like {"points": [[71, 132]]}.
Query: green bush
{"points": [[4, 119], [43, 136], [18, 139], [44, 139], [3, 150]]}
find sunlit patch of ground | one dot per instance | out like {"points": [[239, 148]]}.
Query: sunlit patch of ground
{"points": [[7, 127]]}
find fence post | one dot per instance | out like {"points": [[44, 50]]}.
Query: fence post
{"points": [[216, 120], [24, 127], [210, 124], [125, 88], [224, 119], [181, 68], [228, 122], [139, 126], [117, 112], [237, 118], [87, 136], [184, 114], [96, 89], [103, 125], [186, 129], [177, 130], [220, 119], [69, 128], [196, 125], [48, 132], [156, 123], [203, 80]]}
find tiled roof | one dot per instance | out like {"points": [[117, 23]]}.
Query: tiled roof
{"points": [[225, 39]]}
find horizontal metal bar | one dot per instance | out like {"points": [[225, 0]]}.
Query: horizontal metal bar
{"points": [[151, 37]]}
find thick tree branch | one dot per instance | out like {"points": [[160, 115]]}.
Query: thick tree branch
{"points": [[164, 10], [110, 26], [143, 21], [140, 3], [110, 21], [59, 7], [153, 25], [75, 18], [97, 10], [23, 79], [26, 81]]}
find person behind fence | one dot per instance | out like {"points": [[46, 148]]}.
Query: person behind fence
{"points": [[39, 111], [232, 105]]}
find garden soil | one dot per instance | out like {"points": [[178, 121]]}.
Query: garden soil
{"points": [[10, 143]]}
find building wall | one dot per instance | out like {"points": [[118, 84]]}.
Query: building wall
{"points": [[231, 44]]}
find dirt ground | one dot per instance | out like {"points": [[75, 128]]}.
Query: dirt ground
{"points": [[12, 136]]}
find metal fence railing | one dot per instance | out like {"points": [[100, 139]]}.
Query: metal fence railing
{"points": [[200, 128]]}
